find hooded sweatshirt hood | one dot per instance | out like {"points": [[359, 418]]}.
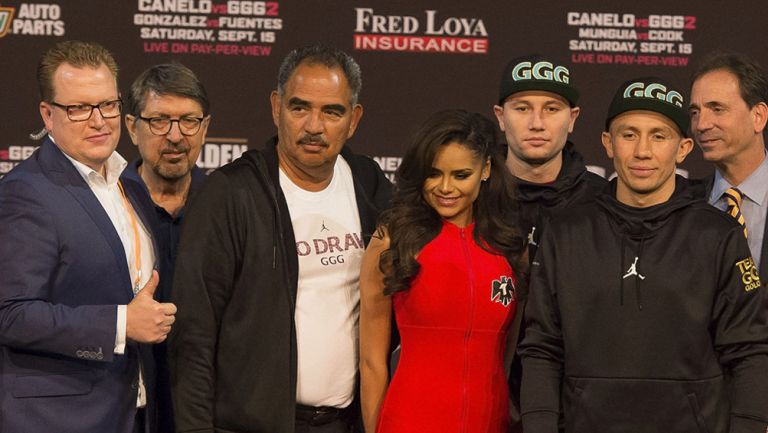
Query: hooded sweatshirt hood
{"points": [[635, 225], [634, 222], [551, 195], [573, 186]]}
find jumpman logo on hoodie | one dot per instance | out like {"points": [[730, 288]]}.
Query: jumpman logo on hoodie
{"points": [[633, 270], [531, 240]]}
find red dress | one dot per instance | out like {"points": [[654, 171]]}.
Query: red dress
{"points": [[453, 325]]}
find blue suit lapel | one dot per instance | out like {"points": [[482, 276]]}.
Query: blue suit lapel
{"points": [[61, 172]]}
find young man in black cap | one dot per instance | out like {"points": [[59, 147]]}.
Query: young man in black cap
{"points": [[644, 301], [536, 111]]}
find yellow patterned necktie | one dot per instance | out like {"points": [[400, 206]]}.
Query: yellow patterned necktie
{"points": [[733, 198]]}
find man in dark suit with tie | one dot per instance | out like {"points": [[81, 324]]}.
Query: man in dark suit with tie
{"points": [[728, 116], [76, 293]]}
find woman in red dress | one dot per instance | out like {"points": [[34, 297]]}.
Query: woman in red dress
{"points": [[442, 260]]}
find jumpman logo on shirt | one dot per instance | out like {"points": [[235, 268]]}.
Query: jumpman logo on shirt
{"points": [[633, 270], [530, 237], [324, 228]]}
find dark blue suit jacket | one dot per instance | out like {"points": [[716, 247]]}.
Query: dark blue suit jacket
{"points": [[64, 273]]}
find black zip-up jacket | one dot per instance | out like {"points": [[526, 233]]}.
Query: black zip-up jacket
{"points": [[635, 316], [233, 348]]}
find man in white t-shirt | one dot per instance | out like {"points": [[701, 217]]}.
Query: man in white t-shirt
{"points": [[268, 266]]}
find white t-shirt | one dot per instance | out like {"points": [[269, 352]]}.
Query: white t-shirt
{"points": [[329, 245]]}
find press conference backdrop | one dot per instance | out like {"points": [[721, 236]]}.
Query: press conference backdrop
{"points": [[417, 57]]}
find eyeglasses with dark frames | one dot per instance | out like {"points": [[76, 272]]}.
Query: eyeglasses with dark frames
{"points": [[188, 125], [83, 112]]}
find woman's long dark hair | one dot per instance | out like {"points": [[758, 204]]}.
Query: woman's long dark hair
{"points": [[411, 222]]}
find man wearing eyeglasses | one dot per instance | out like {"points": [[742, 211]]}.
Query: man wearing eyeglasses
{"points": [[76, 292], [168, 117]]}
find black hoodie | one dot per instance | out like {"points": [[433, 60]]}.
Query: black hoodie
{"points": [[574, 186], [635, 317]]}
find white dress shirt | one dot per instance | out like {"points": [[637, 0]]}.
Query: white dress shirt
{"points": [[119, 210]]}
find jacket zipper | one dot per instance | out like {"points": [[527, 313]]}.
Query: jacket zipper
{"points": [[278, 250], [467, 333]]}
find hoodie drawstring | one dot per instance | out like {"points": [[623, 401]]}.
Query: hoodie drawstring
{"points": [[621, 277], [632, 271], [638, 280]]}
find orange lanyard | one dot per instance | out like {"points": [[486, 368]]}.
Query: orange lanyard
{"points": [[136, 238]]}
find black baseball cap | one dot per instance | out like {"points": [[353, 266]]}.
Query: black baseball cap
{"points": [[535, 72], [651, 94]]}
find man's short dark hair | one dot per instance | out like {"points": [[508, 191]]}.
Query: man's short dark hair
{"points": [[167, 79], [76, 53], [753, 83], [325, 55]]}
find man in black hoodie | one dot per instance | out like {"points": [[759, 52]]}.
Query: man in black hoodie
{"points": [[268, 266], [644, 301], [536, 111]]}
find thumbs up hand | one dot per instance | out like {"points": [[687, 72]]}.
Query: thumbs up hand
{"points": [[149, 321]]}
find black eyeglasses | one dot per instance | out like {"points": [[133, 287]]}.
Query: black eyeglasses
{"points": [[188, 125], [83, 112]]}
